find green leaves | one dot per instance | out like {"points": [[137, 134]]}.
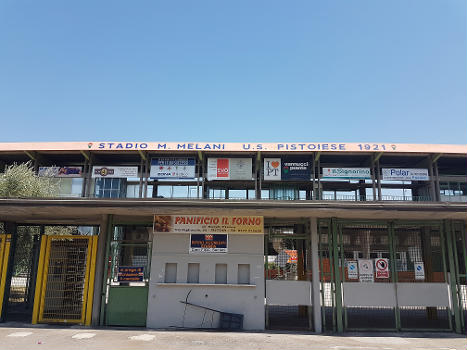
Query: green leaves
{"points": [[20, 180]]}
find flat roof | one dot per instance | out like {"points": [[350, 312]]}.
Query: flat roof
{"points": [[173, 147]]}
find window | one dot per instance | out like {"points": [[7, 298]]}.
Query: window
{"points": [[221, 273], [243, 273], [170, 273], [193, 273]]}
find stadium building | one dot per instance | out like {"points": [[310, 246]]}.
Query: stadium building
{"points": [[305, 236]]}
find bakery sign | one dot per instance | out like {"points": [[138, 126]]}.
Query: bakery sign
{"points": [[208, 224]]}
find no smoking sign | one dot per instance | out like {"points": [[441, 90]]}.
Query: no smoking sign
{"points": [[382, 268]]}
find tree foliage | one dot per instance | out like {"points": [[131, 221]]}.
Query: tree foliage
{"points": [[20, 180]]}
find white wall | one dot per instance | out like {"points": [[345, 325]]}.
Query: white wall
{"points": [[164, 307]]}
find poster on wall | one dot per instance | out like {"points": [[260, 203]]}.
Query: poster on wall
{"points": [[352, 270], [66, 171], [419, 268], [130, 274], [394, 174], [346, 173], [382, 268], [365, 270], [208, 224], [208, 243], [172, 168], [272, 169], [114, 171], [230, 169], [276, 169]]}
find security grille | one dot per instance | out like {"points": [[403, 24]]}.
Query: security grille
{"points": [[66, 279]]}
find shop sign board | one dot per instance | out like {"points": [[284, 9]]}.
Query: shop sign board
{"points": [[208, 224], [230, 169], [114, 171], [208, 243], [382, 268], [172, 168], [365, 270], [130, 273], [290, 169], [419, 268], [346, 173], [55, 171], [395, 174], [352, 270]]}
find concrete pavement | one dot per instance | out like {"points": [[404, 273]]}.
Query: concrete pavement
{"points": [[51, 338]]}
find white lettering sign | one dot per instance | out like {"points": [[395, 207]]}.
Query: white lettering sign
{"points": [[115, 171], [346, 173], [405, 174]]}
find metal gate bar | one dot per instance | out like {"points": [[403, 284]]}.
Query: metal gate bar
{"points": [[64, 288], [5, 241]]}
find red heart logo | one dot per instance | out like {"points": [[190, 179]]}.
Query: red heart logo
{"points": [[275, 164]]}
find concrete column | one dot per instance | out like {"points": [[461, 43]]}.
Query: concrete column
{"points": [[100, 266], [378, 178], [315, 282]]}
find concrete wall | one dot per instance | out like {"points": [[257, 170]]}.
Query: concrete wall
{"points": [[164, 307]]}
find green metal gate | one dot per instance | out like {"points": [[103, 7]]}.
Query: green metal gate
{"points": [[129, 258], [403, 259]]}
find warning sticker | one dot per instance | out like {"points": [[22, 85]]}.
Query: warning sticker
{"points": [[365, 271], [382, 268]]}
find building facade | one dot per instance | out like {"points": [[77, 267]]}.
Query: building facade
{"points": [[309, 236]]}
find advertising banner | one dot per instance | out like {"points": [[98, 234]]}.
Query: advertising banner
{"points": [[208, 243], [208, 224], [290, 169], [296, 169], [352, 270], [130, 273], [230, 169], [419, 268], [365, 270], [382, 268], [172, 168], [346, 173], [272, 169], [405, 174], [66, 171], [115, 171]]}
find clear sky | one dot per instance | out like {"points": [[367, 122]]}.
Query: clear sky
{"points": [[246, 71]]}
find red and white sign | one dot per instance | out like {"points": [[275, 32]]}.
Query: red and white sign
{"points": [[382, 268], [229, 169]]}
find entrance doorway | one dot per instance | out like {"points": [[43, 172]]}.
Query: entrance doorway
{"points": [[24, 259], [288, 277]]}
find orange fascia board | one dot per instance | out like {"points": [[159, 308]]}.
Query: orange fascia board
{"points": [[297, 147]]}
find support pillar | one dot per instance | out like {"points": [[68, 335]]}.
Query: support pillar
{"points": [[100, 266], [315, 282]]}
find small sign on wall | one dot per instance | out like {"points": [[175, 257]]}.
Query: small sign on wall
{"points": [[365, 270], [352, 270], [130, 273], [208, 243], [419, 268], [382, 268]]}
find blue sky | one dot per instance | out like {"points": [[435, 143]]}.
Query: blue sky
{"points": [[246, 71]]}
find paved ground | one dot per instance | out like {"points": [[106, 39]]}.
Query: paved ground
{"points": [[40, 337]]}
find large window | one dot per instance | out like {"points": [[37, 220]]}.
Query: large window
{"points": [[110, 188]]}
